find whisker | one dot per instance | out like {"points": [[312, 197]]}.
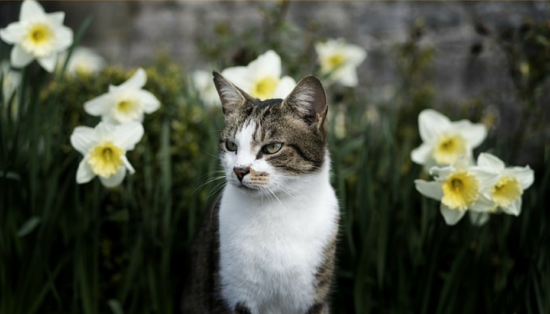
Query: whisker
{"points": [[286, 190], [275, 196], [211, 172], [208, 182], [218, 188]]}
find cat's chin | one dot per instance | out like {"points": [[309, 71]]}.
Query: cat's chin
{"points": [[246, 189]]}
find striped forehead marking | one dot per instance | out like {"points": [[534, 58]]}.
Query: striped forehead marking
{"points": [[244, 139]]}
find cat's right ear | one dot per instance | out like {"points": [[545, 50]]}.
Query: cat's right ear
{"points": [[231, 96]]}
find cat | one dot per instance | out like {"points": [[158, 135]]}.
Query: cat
{"points": [[268, 244]]}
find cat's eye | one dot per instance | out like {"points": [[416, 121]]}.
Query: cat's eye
{"points": [[272, 148], [231, 146]]}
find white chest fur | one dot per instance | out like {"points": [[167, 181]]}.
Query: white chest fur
{"points": [[270, 248]]}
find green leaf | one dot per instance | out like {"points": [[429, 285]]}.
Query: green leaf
{"points": [[29, 226], [115, 306], [542, 40], [11, 176], [77, 38]]}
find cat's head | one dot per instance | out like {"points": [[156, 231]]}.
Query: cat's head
{"points": [[269, 147]]}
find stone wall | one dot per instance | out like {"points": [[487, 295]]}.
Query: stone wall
{"points": [[133, 32]]}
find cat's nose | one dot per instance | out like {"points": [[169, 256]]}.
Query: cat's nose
{"points": [[241, 172]]}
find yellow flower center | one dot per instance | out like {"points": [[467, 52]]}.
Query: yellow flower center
{"points": [[449, 148], [460, 190], [105, 159], [39, 40], [506, 191], [40, 34], [126, 106], [265, 88], [83, 69], [335, 61]]}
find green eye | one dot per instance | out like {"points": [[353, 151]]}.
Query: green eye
{"points": [[231, 146], [272, 148]]}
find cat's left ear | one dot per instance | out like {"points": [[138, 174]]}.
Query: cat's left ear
{"points": [[309, 100]]}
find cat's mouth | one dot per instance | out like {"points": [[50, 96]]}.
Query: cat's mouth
{"points": [[244, 187]]}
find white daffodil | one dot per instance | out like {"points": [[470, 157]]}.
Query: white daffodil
{"points": [[83, 60], [459, 187], [204, 85], [512, 181], [124, 103], [261, 78], [339, 61], [10, 80], [444, 141], [104, 148], [37, 35]]}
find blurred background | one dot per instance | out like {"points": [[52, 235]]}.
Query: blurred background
{"points": [[464, 62], [69, 248]]}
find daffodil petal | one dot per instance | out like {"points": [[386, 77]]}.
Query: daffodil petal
{"points": [[478, 219], [13, 33], [201, 78], [105, 131], [514, 208], [451, 216], [441, 173], [204, 86], [431, 123], [429, 189], [84, 173], [474, 134], [115, 179], [128, 165], [463, 162], [487, 179], [267, 64], [109, 119], [57, 17], [524, 175], [239, 77], [340, 60], [149, 101], [128, 135], [286, 85], [430, 163], [491, 162], [421, 154], [48, 63], [483, 204], [330, 47], [64, 38], [347, 76], [355, 54], [84, 59], [19, 57], [137, 81], [99, 105], [30, 10], [83, 138]]}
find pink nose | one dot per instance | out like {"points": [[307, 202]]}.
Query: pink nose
{"points": [[241, 172]]}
